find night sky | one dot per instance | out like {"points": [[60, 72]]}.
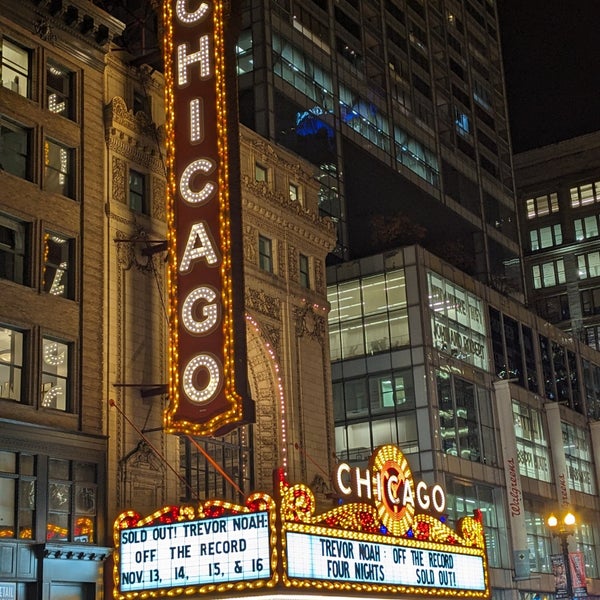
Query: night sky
{"points": [[551, 54]]}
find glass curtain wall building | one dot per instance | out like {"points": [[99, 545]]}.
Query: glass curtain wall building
{"points": [[400, 107], [479, 393]]}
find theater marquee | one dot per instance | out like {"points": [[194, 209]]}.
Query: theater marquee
{"points": [[207, 368], [387, 536]]}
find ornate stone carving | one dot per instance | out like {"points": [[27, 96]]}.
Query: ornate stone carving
{"points": [[159, 196], [308, 323], [129, 252], [250, 245], [292, 263], [116, 112], [267, 305], [119, 170], [319, 276]]}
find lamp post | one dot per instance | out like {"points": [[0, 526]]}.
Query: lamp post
{"points": [[562, 527]]}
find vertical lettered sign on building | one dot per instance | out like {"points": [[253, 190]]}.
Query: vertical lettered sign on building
{"points": [[207, 349]]}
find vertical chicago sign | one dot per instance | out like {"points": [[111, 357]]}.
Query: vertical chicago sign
{"points": [[207, 353]]}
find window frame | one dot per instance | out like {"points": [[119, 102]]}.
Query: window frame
{"points": [[22, 229], [265, 254], [539, 274], [49, 376], [542, 205], [22, 475], [304, 274], [14, 366], [25, 172], [261, 173], [70, 481], [68, 272], [578, 200], [141, 205], [68, 76], [26, 73], [66, 189], [585, 268]]}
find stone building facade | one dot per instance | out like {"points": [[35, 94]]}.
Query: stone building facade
{"points": [[83, 313]]}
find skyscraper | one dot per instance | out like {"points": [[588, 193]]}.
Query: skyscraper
{"points": [[400, 106]]}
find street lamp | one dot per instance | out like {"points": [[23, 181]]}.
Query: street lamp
{"points": [[562, 527]]}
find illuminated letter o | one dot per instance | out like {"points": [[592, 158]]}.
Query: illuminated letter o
{"points": [[438, 498], [211, 365]]}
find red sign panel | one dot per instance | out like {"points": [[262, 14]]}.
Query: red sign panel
{"points": [[207, 367]]}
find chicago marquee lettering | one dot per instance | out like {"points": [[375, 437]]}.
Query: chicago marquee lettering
{"points": [[196, 188]]}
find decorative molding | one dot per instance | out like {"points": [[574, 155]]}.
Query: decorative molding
{"points": [[159, 194], [142, 457], [292, 263], [259, 301], [308, 323], [44, 31], [250, 244], [140, 124], [129, 255], [119, 172], [320, 286]]}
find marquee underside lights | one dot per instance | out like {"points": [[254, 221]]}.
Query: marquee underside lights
{"points": [[207, 369], [272, 547]]}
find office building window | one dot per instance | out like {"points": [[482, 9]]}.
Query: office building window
{"points": [[13, 250], [72, 501], [58, 168], [463, 498], [592, 336], [260, 173], [138, 197], [545, 237], [265, 254], [15, 149], [580, 463], [591, 378], [583, 195], [588, 541], [590, 302], [538, 536], [542, 205], [56, 374], [588, 265], [59, 89], [11, 363], [243, 50], [532, 445], [466, 426], [548, 274], [368, 315], [553, 308], [57, 275], [17, 495], [586, 228], [374, 410], [304, 270], [16, 68]]}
